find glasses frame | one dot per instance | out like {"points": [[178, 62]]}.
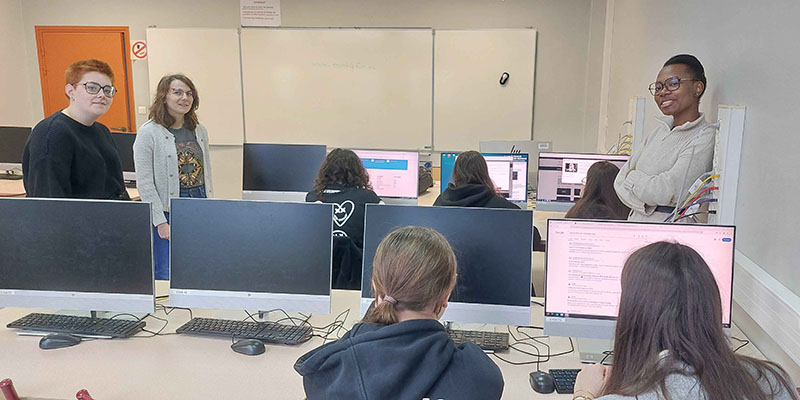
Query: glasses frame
{"points": [[180, 93], [655, 91], [106, 89]]}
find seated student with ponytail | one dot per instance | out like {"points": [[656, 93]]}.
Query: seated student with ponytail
{"points": [[669, 342], [400, 350]]}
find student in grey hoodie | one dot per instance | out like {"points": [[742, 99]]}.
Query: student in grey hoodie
{"points": [[669, 342], [400, 350]]}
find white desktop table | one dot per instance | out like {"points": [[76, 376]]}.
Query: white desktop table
{"points": [[195, 367]]}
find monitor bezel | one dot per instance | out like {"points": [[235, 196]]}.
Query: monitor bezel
{"points": [[596, 326], [415, 168], [84, 301], [244, 300]]}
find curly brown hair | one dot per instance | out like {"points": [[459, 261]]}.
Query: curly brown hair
{"points": [[343, 168]]}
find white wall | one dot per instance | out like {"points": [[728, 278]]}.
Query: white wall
{"points": [[563, 28], [749, 52], [15, 103]]}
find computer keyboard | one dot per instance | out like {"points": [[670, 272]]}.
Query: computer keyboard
{"points": [[485, 340], [267, 331], [76, 325], [564, 379]]}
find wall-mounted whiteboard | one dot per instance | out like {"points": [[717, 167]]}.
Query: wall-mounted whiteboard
{"points": [[470, 104], [210, 58], [343, 87]]}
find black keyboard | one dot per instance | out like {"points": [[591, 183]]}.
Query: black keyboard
{"points": [[266, 331], [564, 379], [485, 340], [115, 328]]}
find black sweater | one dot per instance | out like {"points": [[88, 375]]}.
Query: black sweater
{"points": [[408, 360], [64, 158]]}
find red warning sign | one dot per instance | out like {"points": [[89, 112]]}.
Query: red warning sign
{"points": [[138, 50]]}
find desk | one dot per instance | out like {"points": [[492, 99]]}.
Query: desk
{"points": [[16, 188], [192, 367]]}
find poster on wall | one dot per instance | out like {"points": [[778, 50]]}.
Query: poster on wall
{"points": [[260, 12]]}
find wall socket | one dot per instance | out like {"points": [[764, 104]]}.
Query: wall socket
{"points": [[142, 110]]}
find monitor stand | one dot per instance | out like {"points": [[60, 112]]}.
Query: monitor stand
{"points": [[593, 351]]}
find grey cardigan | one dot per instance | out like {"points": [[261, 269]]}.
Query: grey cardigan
{"points": [[156, 161]]}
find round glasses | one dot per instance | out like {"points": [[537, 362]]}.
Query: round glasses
{"points": [[179, 93], [671, 83], [94, 88]]}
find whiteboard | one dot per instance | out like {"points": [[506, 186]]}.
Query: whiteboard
{"points": [[341, 87], [210, 58], [470, 105]]}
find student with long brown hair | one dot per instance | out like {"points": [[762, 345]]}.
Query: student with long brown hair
{"points": [[669, 342], [400, 350], [599, 199], [471, 185], [172, 158]]}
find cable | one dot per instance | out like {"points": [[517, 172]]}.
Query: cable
{"points": [[689, 166], [619, 136], [744, 342], [700, 186]]}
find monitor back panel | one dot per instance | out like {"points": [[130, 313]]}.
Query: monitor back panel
{"points": [[97, 250], [243, 252], [493, 248], [281, 167]]}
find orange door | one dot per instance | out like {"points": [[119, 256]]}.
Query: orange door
{"points": [[60, 46]]}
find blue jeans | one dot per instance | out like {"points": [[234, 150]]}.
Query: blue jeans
{"points": [[161, 246]]}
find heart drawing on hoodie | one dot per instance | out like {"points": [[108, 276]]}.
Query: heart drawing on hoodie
{"points": [[342, 212]]}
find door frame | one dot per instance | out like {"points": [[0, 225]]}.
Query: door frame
{"points": [[126, 75]]}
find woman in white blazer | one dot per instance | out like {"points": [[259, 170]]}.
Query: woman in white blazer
{"points": [[172, 158]]}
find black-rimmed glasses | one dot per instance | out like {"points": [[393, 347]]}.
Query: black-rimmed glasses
{"points": [[671, 83], [94, 88]]}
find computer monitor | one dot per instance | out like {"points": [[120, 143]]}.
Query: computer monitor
{"points": [[124, 144], [529, 147], [259, 255], [280, 172], [493, 248], [509, 173], [90, 255], [394, 174], [12, 145], [563, 175], [584, 266]]}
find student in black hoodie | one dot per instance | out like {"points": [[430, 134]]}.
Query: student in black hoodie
{"points": [[344, 182], [471, 186], [400, 350]]}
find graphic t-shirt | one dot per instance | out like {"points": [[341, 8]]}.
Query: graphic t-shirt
{"points": [[190, 158]]}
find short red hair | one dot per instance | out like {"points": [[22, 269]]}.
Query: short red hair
{"points": [[76, 71]]}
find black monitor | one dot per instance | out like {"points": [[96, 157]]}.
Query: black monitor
{"points": [[12, 145], [280, 171], [124, 144], [76, 254], [493, 248], [238, 254]]}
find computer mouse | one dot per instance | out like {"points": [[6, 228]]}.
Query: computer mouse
{"points": [[58, 340], [250, 347], [542, 382]]}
